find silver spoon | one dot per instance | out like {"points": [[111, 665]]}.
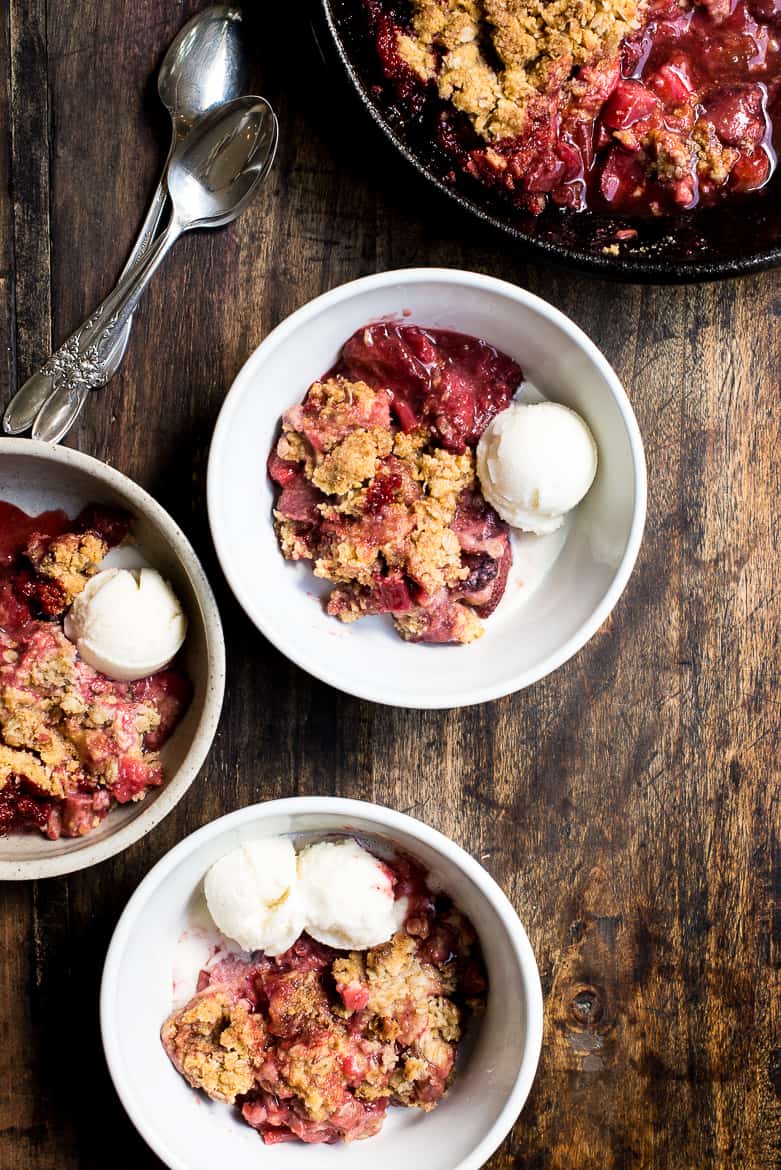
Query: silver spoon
{"points": [[205, 66], [213, 174]]}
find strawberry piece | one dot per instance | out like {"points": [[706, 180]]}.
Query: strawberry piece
{"points": [[738, 116], [672, 82], [622, 180], [629, 102]]}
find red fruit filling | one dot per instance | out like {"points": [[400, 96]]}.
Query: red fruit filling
{"points": [[446, 381], [377, 480]]}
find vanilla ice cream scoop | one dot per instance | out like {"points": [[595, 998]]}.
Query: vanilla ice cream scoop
{"points": [[348, 894], [263, 896], [126, 623], [536, 461], [253, 896]]}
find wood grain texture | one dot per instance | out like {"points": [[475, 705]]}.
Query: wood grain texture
{"points": [[629, 804]]}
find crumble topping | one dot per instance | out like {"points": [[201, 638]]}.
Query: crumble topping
{"points": [[334, 409], [56, 706], [14, 762], [68, 560], [419, 540], [211, 1041], [535, 46], [352, 461], [407, 1008], [465, 625], [715, 161]]}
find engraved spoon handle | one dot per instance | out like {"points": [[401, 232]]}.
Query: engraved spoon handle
{"points": [[96, 341], [23, 408]]}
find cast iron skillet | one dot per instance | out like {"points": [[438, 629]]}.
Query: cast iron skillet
{"points": [[739, 237]]}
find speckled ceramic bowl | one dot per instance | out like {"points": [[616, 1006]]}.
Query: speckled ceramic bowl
{"points": [[36, 477]]}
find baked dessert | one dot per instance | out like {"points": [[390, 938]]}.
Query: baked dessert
{"points": [[376, 471], [316, 1043], [72, 742], [642, 107]]}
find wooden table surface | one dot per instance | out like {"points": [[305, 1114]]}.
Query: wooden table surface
{"points": [[628, 804]]}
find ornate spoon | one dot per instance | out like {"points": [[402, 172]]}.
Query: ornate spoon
{"points": [[213, 174], [205, 66]]}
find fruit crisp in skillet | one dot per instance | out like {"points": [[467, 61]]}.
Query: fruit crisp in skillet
{"points": [[643, 107], [72, 742], [316, 1043], [378, 488]]}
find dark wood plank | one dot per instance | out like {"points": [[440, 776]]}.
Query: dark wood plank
{"points": [[30, 181], [628, 804], [25, 1132], [7, 291]]}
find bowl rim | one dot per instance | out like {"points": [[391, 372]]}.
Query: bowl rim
{"points": [[644, 270], [385, 818], [174, 789], [242, 385]]}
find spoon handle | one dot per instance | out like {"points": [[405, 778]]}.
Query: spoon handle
{"points": [[149, 227], [97, 340], [60, 411], [30, 398], [142, 245]]}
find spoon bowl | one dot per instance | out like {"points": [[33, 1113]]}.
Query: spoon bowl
{"points": [[207, 64], [215, 171]]}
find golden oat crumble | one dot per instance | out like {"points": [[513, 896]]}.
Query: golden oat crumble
{"points": [[434, 552], [70, 560], [444, 475], [14, 762], [309, 1070], [671, 157], [351, 462], [408, 1009], [295, 447], [420, 59], [714, 160], [467, 627], [294, 547], [211, 1042], [536, 44], [417, 535], [48, 728], [348, 560], [408, 444], [336, 403], [314, 1070]]}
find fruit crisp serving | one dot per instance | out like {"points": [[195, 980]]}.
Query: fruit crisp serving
{"points": [[72, 742], [635, 106], [376, 470], [316, 1043]]}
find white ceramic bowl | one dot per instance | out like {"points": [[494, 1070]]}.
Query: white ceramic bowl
{"points": [[37, 477], [191, 1133], [533, 631]]}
